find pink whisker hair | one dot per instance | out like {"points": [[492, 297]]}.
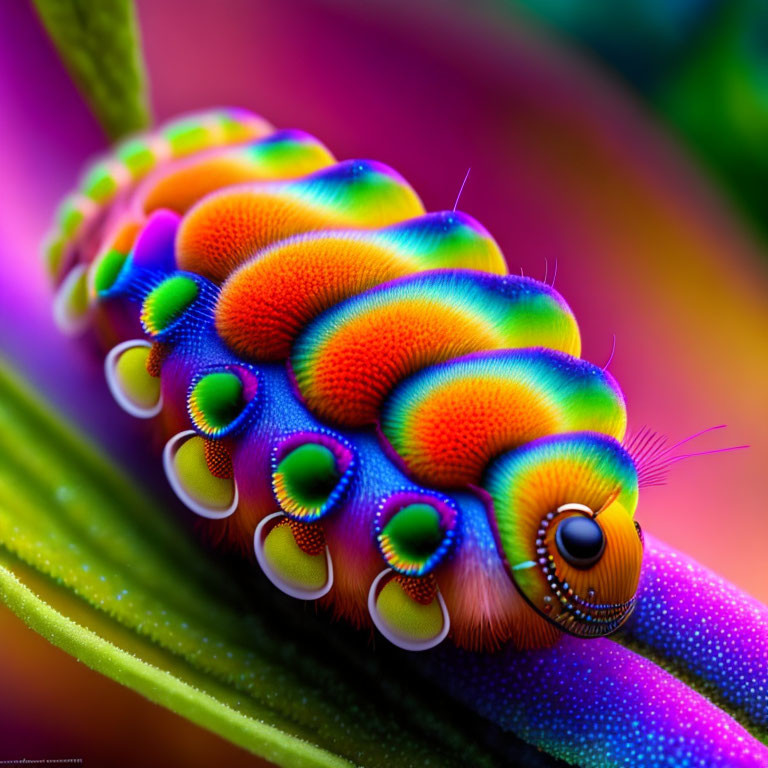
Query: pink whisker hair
{"points": [[654, 456]]}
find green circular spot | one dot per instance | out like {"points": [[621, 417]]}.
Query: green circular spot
{"points": [[135, 381], [194, 476], [107, 270], [54, 254], [310, 474], [168, 301], [406, 617], [415, 531], [78, 296], [219, 396], [290, 563]]}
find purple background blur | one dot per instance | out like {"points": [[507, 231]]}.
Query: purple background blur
{"points": [[566, 167]]}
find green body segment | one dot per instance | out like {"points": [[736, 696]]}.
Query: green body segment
{"points": [[137, 156]]}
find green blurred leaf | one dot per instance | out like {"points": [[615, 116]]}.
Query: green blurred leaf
{"points": [[100, 46], [717, 100]]}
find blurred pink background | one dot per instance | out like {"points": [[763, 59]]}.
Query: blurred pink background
{"points": [[566, 167]]}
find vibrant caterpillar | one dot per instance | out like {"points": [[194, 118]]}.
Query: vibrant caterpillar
{"points": [[417, 415], [357, 392]]}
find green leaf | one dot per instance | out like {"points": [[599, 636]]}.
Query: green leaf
{"points": [[95, 565], [195, 699], [99, 44]]}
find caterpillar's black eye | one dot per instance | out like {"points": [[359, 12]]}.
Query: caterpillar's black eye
{"points": [[580, 541]]}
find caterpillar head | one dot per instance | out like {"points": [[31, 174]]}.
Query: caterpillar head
{"points": [[563, 509]]}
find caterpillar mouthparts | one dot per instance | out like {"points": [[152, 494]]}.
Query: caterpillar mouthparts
{"points": [[353, 390]]}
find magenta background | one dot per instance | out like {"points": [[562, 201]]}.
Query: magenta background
{"points": [[566, 166]]}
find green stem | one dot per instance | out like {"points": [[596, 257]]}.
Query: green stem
{"points": [[100, 45]]}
